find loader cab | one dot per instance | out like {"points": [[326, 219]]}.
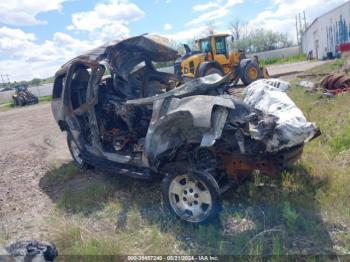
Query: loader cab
{"points": [[216, 47], [205, 45]]}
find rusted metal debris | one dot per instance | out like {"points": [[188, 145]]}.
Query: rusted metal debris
{"points": [[336, 84]]}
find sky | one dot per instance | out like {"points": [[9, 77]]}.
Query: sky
{"points": [[38, 36]]}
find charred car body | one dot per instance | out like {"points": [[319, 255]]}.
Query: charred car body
{"points": [[135, 121]]}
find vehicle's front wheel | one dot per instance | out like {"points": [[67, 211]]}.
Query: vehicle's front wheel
{"points": [[250, 73], [193, 196], [76, 153]]}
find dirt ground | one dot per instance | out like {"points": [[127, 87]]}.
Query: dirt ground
{"points": [[30, 142], [292, 68]]}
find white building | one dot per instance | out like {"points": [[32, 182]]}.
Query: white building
{"points": [[327, 32]]}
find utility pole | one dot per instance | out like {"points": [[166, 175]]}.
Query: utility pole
{"points": [[2, 80], [305, 25], [296, 25], [8, 81], [5, 79]]}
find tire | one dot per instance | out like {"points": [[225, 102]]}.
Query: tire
{"points": [[21, 101], [15, 102], [248, 76], [212, 71], [194, 191], [75, 153]]}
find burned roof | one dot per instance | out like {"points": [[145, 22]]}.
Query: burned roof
{"points": [[152, 47]]}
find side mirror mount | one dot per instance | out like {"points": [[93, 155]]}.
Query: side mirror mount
{"points": [[187, 49]]}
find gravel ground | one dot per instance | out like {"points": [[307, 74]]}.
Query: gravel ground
{"points": [[30, 143]]}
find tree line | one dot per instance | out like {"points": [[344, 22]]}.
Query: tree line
{"points": [[245, 38], [258, 40]]}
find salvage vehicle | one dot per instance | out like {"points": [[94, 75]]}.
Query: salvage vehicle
{"points": [[122, 115], [214, 57], [23, 96]]}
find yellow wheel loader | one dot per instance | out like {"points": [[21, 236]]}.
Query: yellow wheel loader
{"points": [[213, 57]]}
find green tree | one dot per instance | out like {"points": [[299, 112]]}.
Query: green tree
{"points": [[262, 40], [35, 82]]}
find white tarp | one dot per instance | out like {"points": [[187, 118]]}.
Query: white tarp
{"points": [[292, 128], [277, 83]]}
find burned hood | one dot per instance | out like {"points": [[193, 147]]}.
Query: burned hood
{"points": [[124, 55]]}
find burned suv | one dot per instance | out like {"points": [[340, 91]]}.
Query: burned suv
{"points": [[123, 115]]}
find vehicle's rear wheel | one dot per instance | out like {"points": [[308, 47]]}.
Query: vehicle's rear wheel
{"points": [[21, 101], [193, 196], [212, 71], [76, 153], [250, 73]]}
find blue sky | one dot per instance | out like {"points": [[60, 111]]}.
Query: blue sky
{"points": [[37, 36], [158, 13]]}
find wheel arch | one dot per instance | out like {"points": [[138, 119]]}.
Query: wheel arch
{"points": [[244, 62], [203, 67], [185, 126]]}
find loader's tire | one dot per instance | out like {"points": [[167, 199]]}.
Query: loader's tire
{"points": [[21, 101], [250, 73], [212, 71], [193, 196], [76, 154]]}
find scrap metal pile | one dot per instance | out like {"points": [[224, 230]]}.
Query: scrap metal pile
{"points": [[336, 84]]}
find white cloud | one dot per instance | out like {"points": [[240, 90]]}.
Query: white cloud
{"points": [[24, 12], [282, 16], [167, 27], [188, 34], [203, 7], [218, 9], [107, 21], [24, 59]]}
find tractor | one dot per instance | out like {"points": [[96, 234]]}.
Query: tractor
{"points": [[23, 96], [213, 57]]}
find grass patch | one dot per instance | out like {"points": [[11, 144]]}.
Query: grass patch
{"points": [[9, 105], [331, 67], [341, 142], [85, 200], [281, 60], [60, 175], [45, 99], [6, 106]]}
